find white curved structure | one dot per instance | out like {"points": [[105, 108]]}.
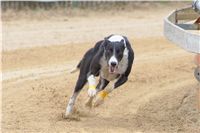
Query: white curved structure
{"points": [[179, 29], [196, 5]]}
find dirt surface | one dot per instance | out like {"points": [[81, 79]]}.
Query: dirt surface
{"points": [[38, 54]]}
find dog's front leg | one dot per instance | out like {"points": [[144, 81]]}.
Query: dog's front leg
{"points": [[94, 69], [69, 108], [92, 86], [101, 85], [91, 90], [122, 79], [103, 94]]}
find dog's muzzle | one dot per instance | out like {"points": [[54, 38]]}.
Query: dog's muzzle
{"points": [[113, 66]]}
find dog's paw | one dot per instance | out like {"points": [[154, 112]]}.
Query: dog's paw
{"points": [[70, 117], [98, 102], [89, 102], [92, 92], [100, 98]]}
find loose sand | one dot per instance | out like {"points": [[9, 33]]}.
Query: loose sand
{"points": [[160, 95]]}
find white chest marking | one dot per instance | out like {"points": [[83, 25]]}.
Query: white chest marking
{"points": [[104, 72], [123, 64]]}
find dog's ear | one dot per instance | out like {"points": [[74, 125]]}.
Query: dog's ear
{"points": [[105, 42], [122, 41]]}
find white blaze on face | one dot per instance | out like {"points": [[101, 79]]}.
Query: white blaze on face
{"points": [[113, 59], [114, 38]]}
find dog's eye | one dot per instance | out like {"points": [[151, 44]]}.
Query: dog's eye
{"points": [[118, 51]]}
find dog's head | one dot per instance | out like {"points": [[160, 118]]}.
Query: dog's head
{"points": [[114, 52]]}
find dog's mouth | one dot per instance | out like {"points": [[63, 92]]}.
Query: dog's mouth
{"points": [[113, 69]]}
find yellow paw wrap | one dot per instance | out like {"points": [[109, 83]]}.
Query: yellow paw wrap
{"points": [[92, 87], [103, 94]]}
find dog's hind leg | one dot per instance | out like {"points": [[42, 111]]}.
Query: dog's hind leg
{"points": [[79, 85]]}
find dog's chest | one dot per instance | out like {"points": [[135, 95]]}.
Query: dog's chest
{"points": [[123, 64], [104, 72]]}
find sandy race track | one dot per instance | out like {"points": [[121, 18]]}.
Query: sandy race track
{"points": [[38, 54]]}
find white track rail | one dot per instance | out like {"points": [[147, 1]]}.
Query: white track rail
{"points": [[185, 35]]}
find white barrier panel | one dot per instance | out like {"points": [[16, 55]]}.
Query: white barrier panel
{"points": [[183, 37]]}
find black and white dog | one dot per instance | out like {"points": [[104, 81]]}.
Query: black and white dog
{"points": [[112, 59]]}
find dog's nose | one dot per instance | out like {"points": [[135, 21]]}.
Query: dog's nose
{"points": [[113, 64]]}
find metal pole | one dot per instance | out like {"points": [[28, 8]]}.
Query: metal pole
{"points": [[197, 76], [198, 96]]}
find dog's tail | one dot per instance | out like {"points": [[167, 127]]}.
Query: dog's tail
{"points": [[76, 68]]}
